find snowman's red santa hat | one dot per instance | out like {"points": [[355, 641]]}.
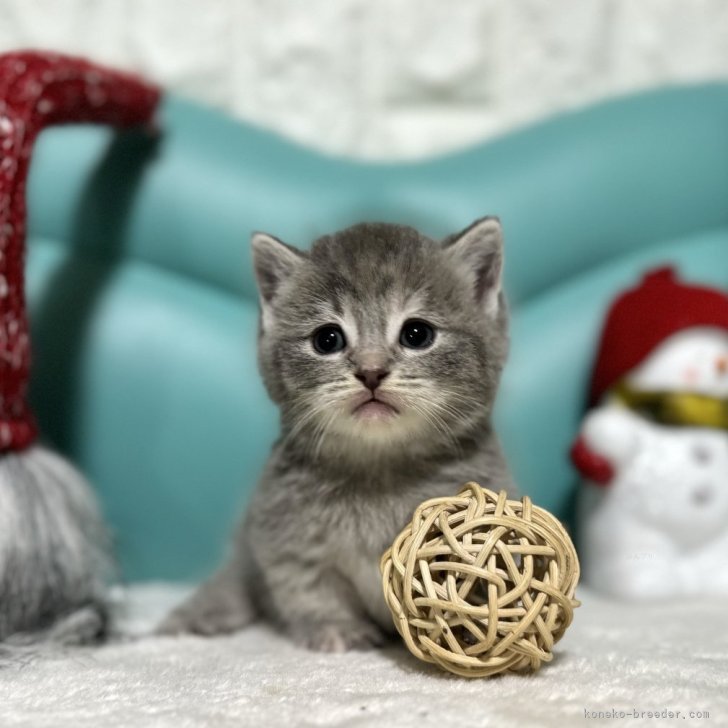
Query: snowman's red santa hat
{"points": [[641, 318]]}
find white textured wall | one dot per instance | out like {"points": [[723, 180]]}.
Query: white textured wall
{"points": [[387, 78]]}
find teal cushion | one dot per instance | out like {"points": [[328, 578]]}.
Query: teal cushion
{"points": [[143, 303]]}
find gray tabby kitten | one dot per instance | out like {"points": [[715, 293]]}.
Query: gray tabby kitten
{"points": [[384, 350]]}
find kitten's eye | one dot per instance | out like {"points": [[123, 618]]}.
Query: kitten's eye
{"points": [[416, 334], [329, 339]]}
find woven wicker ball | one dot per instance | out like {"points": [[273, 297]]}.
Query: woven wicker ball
{"points": [[481, 585]]}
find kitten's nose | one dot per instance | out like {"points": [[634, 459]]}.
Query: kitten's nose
{"points": [[371, 378]]}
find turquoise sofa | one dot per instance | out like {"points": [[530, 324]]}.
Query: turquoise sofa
{"points": [[144, 309]]}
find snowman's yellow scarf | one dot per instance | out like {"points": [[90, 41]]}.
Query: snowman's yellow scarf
{"points": [[675, 408]]}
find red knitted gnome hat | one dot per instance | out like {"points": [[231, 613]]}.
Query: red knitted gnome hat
{"points": [[644, 316], [37, 90]]}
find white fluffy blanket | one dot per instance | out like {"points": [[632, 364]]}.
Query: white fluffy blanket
{"points": [[615, 657]]}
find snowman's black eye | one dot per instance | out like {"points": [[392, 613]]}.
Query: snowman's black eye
{"points": [[701, 454], [329, 339], [416, 334]]}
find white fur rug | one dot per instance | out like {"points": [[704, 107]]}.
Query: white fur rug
{"points": [[615, 657]]}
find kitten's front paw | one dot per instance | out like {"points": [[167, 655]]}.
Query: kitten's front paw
{"points": [[206, 616], [338, 636]]}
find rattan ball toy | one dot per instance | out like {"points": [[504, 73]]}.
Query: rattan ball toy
{"points": [[481, 585]]}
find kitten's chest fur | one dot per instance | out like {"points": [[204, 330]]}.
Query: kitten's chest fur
{"points": [[361, 516], [364, 526], [307, 521]]}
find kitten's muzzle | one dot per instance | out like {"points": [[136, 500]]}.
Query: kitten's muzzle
{"points": [[375, 405]]}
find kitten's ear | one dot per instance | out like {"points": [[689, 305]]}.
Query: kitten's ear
{"points": [[478, 252], [274, 262]]}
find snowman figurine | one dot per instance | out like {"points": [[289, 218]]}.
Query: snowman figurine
{"points": [[653, 450]]}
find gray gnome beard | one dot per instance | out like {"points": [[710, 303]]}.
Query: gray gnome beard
{"points": [[383, 350], [54, 554]]}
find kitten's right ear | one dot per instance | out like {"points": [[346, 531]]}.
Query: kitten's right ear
{"points": [[274, 262], [478, 252]]}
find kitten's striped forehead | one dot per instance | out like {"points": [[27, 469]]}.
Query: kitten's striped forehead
{"points": [[372, 278], [374, 318], [374, 262]]}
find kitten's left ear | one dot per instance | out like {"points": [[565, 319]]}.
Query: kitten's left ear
{"points": [[478, 252], [274, 262]]}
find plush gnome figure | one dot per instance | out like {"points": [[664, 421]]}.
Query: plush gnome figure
{"points": [[53, 553], [653, 511]]}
